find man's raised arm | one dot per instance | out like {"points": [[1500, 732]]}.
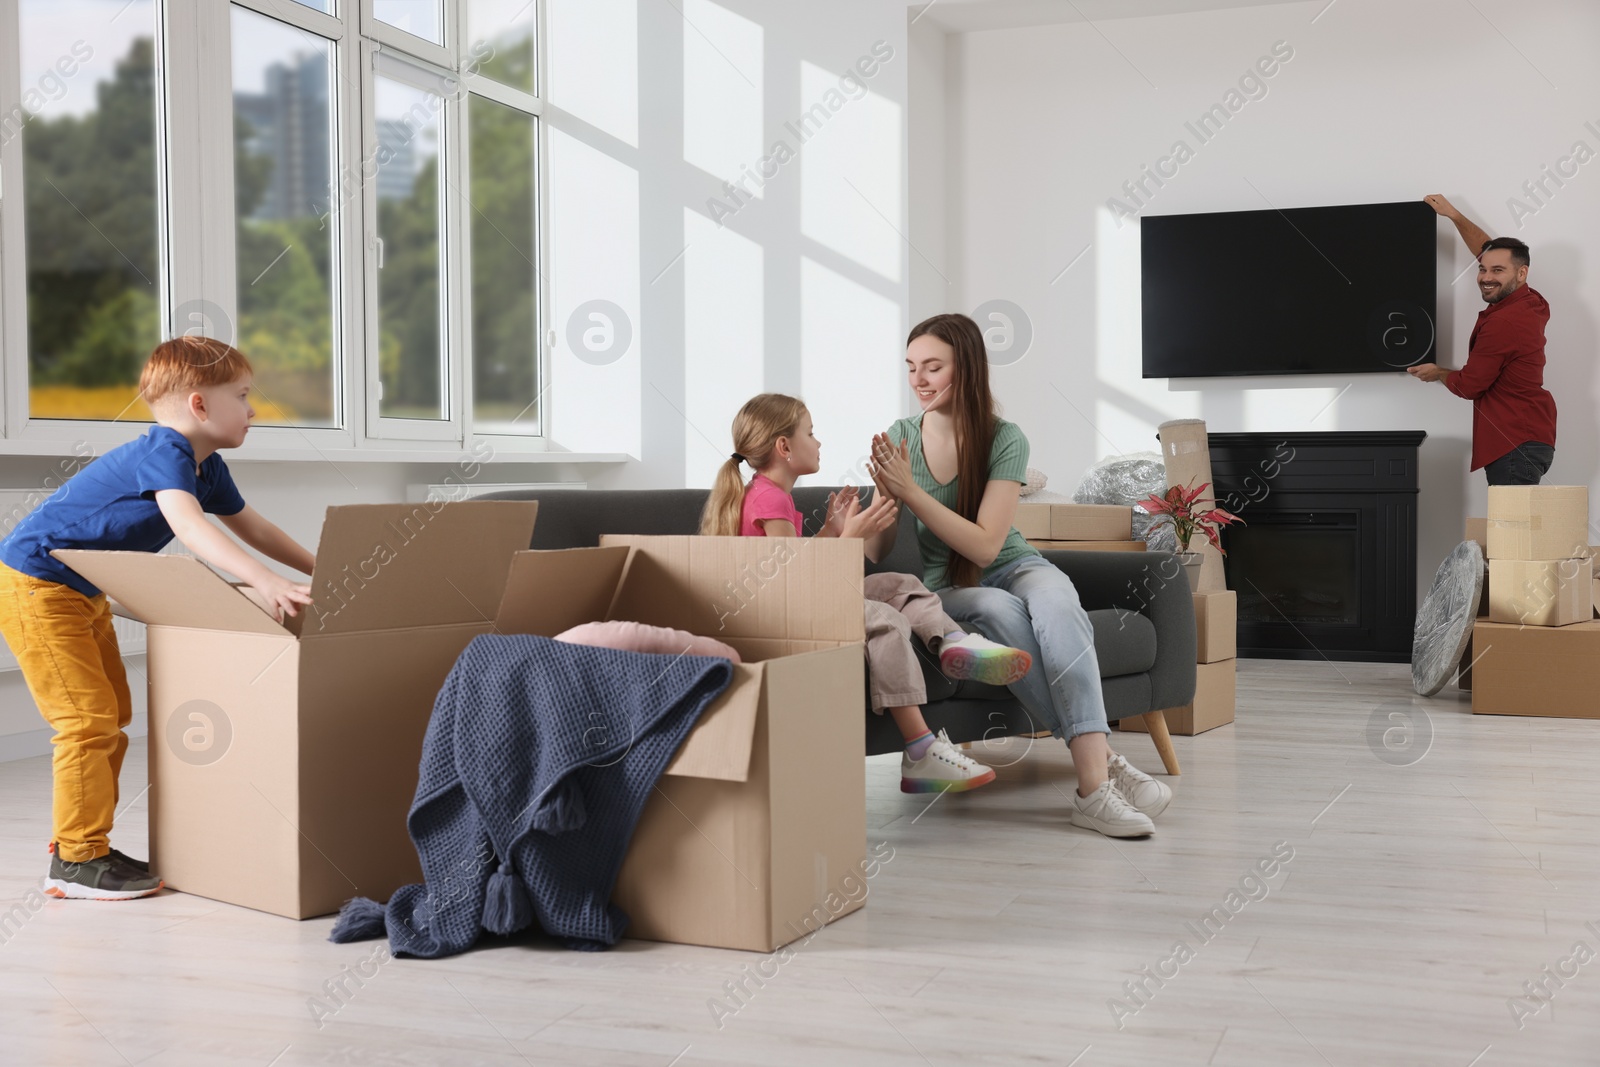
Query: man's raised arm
{"points": [[1470, 231]]}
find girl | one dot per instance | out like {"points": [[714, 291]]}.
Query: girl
{"points": [[959, 468], [772, 433]]}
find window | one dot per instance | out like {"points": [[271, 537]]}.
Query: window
{"points": [[87, 122], [502, 31], [283, 93], [408, 342], [419, 18]]}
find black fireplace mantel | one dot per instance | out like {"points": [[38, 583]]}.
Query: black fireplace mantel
{"points": [[1325, 564]]}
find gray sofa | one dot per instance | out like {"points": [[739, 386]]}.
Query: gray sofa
{"points": [[1143, 624]]}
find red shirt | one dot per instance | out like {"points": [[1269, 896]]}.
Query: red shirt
{"points": [[1504, 378]]}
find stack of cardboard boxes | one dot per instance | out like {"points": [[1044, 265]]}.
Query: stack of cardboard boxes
{"points": [[1078, 527], [1538, 650], [1216, 626]]}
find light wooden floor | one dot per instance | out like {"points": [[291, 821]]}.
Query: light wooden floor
{"points": [[1419, 899]]}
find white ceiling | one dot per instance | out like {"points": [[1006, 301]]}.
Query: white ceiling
{"points": [[961, 16]]}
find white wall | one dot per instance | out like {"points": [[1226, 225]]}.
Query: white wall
{"points": [[798, 284], [1380, 102]]}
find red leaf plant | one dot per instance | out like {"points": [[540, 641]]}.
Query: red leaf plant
{"points": [[1179, 507]]}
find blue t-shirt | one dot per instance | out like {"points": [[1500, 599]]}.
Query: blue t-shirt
{"points": [[111, 504]]}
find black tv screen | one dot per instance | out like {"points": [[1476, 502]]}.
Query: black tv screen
{"points": [[1316, 290]]}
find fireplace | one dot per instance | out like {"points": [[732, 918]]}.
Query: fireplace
{"points": [[1326, 563]]}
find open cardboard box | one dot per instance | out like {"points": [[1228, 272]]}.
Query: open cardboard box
{"points": [[312, 732], [283, 757], [756, 833]]}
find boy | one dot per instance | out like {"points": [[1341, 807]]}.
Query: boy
{"points": [[136, 497]]}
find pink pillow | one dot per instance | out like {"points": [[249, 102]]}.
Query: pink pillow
{"points": [[638, 637]]}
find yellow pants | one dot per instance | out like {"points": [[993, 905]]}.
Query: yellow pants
{"points": [[68, 652]]}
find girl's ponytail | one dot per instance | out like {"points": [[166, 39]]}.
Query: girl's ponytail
{"points": [[723, 506]]}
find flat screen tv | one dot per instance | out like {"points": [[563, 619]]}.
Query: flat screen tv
{"points": [[1315, 290]]}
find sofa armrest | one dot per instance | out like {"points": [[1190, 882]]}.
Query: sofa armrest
{"points": [[1151, 584]]}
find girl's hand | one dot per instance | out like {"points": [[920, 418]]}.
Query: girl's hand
{"points": [[878, 517], [891, 466], [841, 506]]}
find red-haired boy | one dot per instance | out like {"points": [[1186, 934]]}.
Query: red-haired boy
{"points": [[136, 497]]}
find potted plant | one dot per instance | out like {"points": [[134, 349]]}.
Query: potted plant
{"points": [[1183, 507]]}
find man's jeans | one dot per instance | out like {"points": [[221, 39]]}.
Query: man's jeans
{"points": [[1030, 604], [1523, 465]]}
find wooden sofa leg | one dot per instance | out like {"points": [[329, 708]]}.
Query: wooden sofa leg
{"points": [[1156, 723]]}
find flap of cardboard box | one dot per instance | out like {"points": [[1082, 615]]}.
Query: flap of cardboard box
{"points": [[550, 591], [776, 587], [170, 590], [719, 745], [390, 566]]}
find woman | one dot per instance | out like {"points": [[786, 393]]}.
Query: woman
{"points": [[960, 468]]}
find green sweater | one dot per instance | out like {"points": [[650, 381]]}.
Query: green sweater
{"points": [[1008, 461]]}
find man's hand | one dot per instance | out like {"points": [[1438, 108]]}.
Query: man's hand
{"points": [[282, 595], [1441, 205], [1428, 372]]}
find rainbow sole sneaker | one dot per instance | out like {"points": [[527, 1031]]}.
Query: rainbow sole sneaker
{"points": [[980, 659], [944, 768]]}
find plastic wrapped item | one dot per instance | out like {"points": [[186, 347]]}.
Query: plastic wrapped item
{"points": [[1444, 621], [1037, 480], [1124, 481]]}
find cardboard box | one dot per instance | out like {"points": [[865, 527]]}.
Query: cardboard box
{"points": [[1541, 592], [1075, 522], [1089, 546], [1212, 705], [1216, 626], [1537, 670], [283, 758], [1538, 521], [1478, 530], [1186, 450], [756, 834]]}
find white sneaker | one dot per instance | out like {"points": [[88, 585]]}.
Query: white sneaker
{"points": [[943, 768], [978, 658], [1107, 811], [1138, 788]]}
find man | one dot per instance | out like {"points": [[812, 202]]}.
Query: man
{"points": [[1513, 414]]}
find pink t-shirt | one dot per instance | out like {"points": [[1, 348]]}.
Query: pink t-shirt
{"points": [[765, 499]]}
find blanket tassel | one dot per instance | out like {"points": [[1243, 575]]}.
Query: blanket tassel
{"points": [[360, 919], [506, 907]]}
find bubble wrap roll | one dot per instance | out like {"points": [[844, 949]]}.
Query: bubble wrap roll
{"points": [[1445, 618], [1124, 481]]}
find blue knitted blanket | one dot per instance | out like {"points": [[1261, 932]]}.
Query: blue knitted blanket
{"points": [[536, 765]]}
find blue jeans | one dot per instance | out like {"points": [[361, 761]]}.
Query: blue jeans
{"points": [[1030, 604]]}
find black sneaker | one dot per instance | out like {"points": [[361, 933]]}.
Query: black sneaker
{"points": [[138, 865], [106, 878]]}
